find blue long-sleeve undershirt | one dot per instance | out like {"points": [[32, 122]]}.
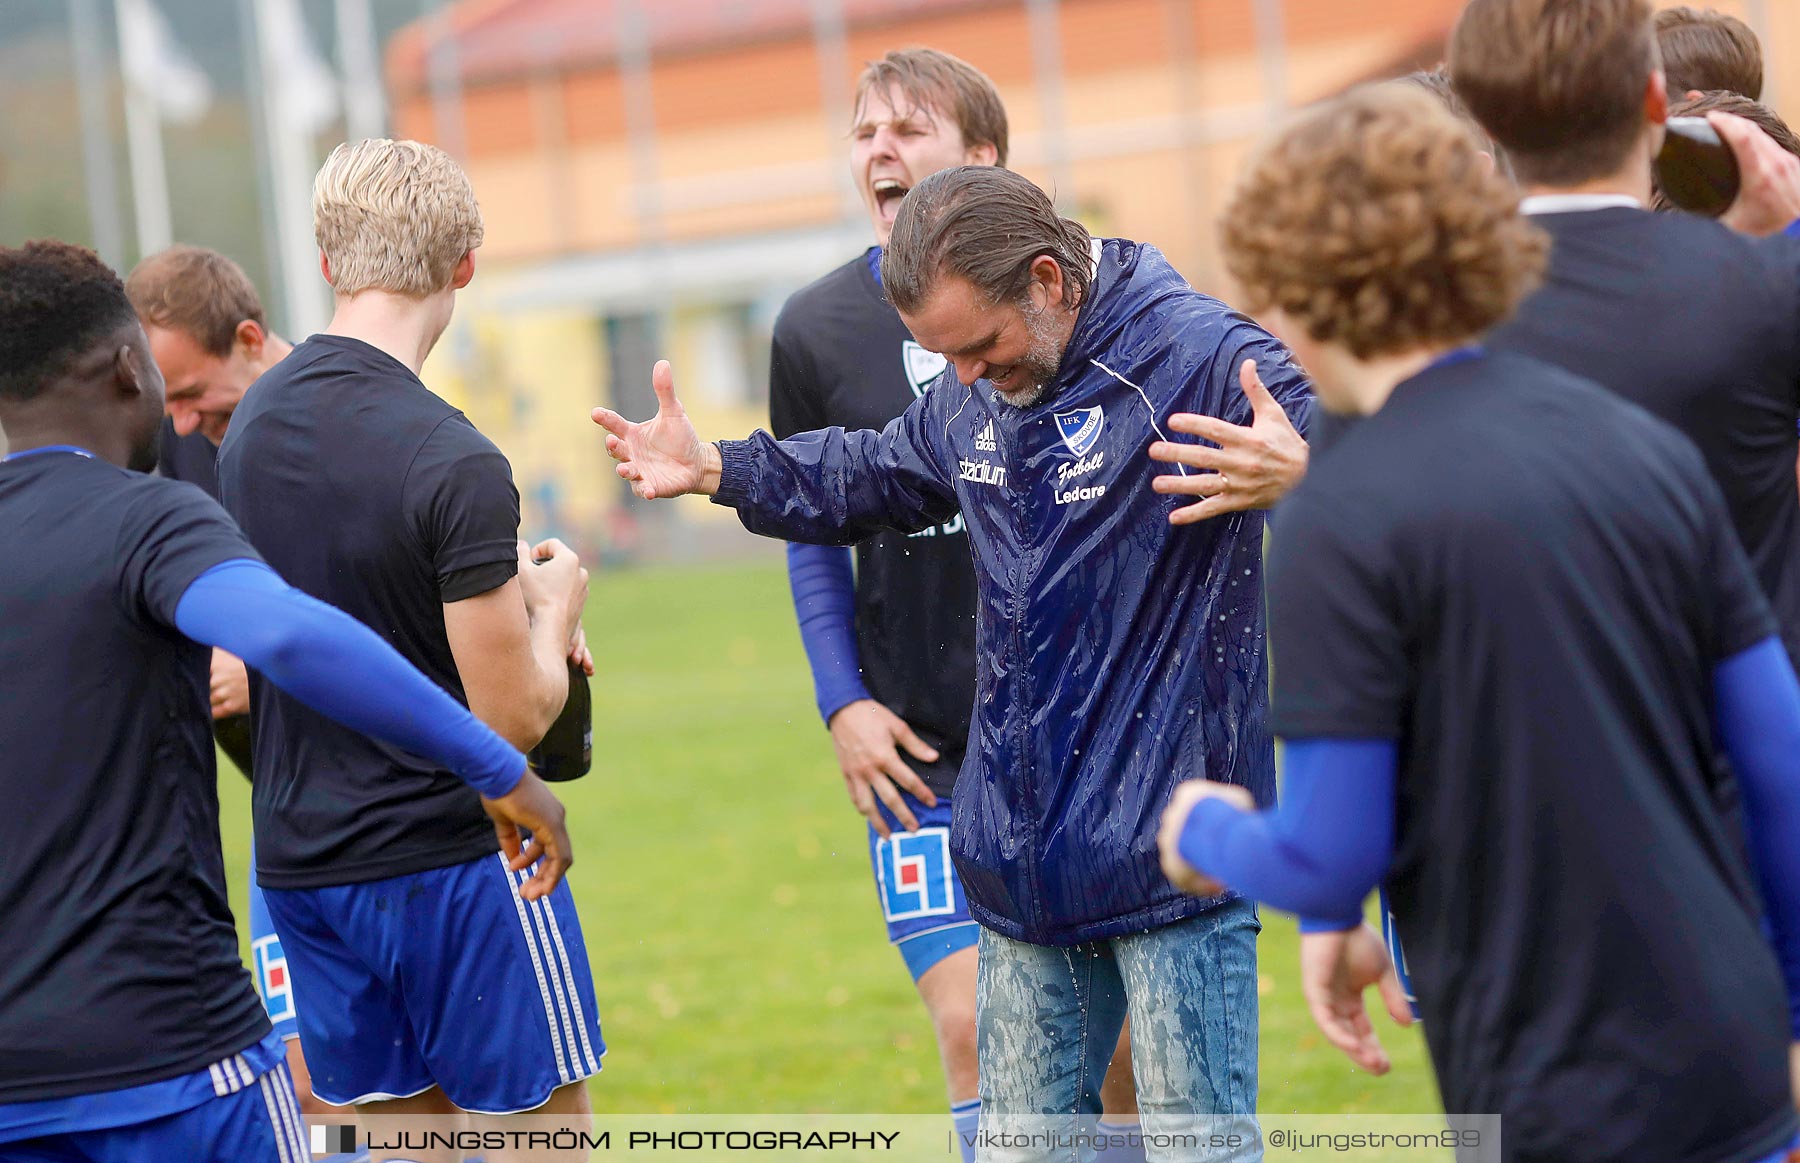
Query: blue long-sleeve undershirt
{"points": [[342, 669], [1332, 839], [1756, 704], [1324, 849], [823, 579]]}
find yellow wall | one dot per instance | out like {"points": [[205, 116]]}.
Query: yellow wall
{"points": [[528, 382]]}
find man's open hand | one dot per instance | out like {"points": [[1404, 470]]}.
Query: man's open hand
{"points": [[1252, 467], [868, 738], [1181, 874], [1335, 969], [531, 807], [664, 456]]}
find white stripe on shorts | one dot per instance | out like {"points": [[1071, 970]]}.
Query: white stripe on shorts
{"points": [[512, 888], [541, 927], [587, 1047], [278, 1122], [220, 1090], [290, 1102]]}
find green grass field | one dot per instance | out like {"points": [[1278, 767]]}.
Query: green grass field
{"points": [[724, 885]]}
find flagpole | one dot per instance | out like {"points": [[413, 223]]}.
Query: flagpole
{"points": [[291, 168], [96, 134], [359, 58], [143, 137], [256, 100]]}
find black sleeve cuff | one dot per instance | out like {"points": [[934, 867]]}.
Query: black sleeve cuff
{"points": [[460, 584]]}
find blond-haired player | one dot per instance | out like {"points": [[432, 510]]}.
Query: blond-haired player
{"points": [[427, 981]]}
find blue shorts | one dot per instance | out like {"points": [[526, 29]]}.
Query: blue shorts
{"points": [[447, 977], [259, 1123], [920, 894], [267, 964]]}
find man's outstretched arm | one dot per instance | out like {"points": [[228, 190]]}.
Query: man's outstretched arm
{"points": [[830, 487], [337, 666]]}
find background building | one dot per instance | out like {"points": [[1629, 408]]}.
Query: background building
{"points": [[656, 175]]}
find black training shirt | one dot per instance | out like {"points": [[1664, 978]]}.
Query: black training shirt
{"points": [[1527, 582], [363, 489], [120, 964], [191, 458], [1700, 325], [841, 357]]}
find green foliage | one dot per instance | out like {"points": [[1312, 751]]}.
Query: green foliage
{"points": [[723, 878]]}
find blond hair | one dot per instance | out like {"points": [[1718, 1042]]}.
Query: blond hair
{"points": [[1374, 221], [393, 216]]}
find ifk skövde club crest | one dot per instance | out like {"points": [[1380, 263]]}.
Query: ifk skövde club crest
{"points": [[921, 366], [1080, 429]]}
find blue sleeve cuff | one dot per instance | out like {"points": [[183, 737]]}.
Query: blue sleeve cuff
{"points": [[334, 664]]}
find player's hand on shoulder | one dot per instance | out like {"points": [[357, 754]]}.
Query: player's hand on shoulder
{"points": [[555, 585], [1335, 969], [664, 456], [1252, 467], [230, 685], [532, 807], [868, 738], [1181, 874]]}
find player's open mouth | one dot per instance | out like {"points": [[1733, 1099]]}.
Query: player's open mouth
{"points": [[888, 192]]}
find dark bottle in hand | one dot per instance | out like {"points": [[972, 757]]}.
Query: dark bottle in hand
{"points": [[1696, 171], [567, 750]]}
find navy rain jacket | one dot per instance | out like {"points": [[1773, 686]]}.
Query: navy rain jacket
{"points": [[1117, 655]]}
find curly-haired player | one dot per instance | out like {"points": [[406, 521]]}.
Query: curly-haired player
{"points": [[1515, 640]]}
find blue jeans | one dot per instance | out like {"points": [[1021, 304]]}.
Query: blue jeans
{"points": [[1048, 1018]]}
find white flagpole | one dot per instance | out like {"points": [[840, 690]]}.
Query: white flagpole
{"points": [[359, 58], [96, 137], [291, 166], [143, 138]]}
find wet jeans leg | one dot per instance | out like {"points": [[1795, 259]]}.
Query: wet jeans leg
{"points": [[1046, 1021], [1192, 996]]}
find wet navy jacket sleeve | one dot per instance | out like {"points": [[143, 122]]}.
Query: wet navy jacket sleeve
{"points": [[833, 487]]}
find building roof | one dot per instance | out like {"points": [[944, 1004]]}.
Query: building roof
{"points": [[501, 38]]}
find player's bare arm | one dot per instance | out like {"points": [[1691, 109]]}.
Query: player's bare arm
{"points": [[1243, 467], [511, 642]]}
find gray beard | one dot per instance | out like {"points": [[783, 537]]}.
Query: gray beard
{"points": [[1041, 362], [1023, 398]]}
